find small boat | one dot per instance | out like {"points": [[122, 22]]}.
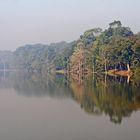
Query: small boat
{"points": [[123, 72], [120, 72]]}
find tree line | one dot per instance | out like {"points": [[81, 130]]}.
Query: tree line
{"points": [[97, 50]]}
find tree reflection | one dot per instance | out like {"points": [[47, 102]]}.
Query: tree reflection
{"points": [[111, 96], [96, 94], [37, 84]]}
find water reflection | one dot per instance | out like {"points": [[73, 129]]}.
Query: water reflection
{"points": [[110, 95], [96, 94]]}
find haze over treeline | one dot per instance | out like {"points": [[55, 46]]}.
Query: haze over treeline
{"points": [[96, 50], [45, 21]]}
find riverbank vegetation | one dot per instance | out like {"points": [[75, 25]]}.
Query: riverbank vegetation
{"points": [[95, 51]]}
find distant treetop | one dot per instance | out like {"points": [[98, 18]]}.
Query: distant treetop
{"points": [[115, 24]]}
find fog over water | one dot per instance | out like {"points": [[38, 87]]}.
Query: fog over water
{"points": [[45, 21]]}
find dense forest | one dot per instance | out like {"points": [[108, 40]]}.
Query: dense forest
{"points": [[97, 50]]}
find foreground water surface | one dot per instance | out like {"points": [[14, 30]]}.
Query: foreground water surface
{"points": [[40, 107]]}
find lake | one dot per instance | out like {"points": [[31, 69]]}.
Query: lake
{"points": [[46, 107]]}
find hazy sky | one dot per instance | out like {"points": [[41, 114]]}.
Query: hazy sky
{"points": [[44, 21]]}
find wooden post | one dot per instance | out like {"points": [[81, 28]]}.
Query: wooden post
{"points": [[105, 65], [128, 68]]}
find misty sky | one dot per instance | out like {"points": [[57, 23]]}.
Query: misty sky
{"points": [[44, 21]]}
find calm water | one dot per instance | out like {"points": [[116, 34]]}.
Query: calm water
{"points": [[39, 107]]}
